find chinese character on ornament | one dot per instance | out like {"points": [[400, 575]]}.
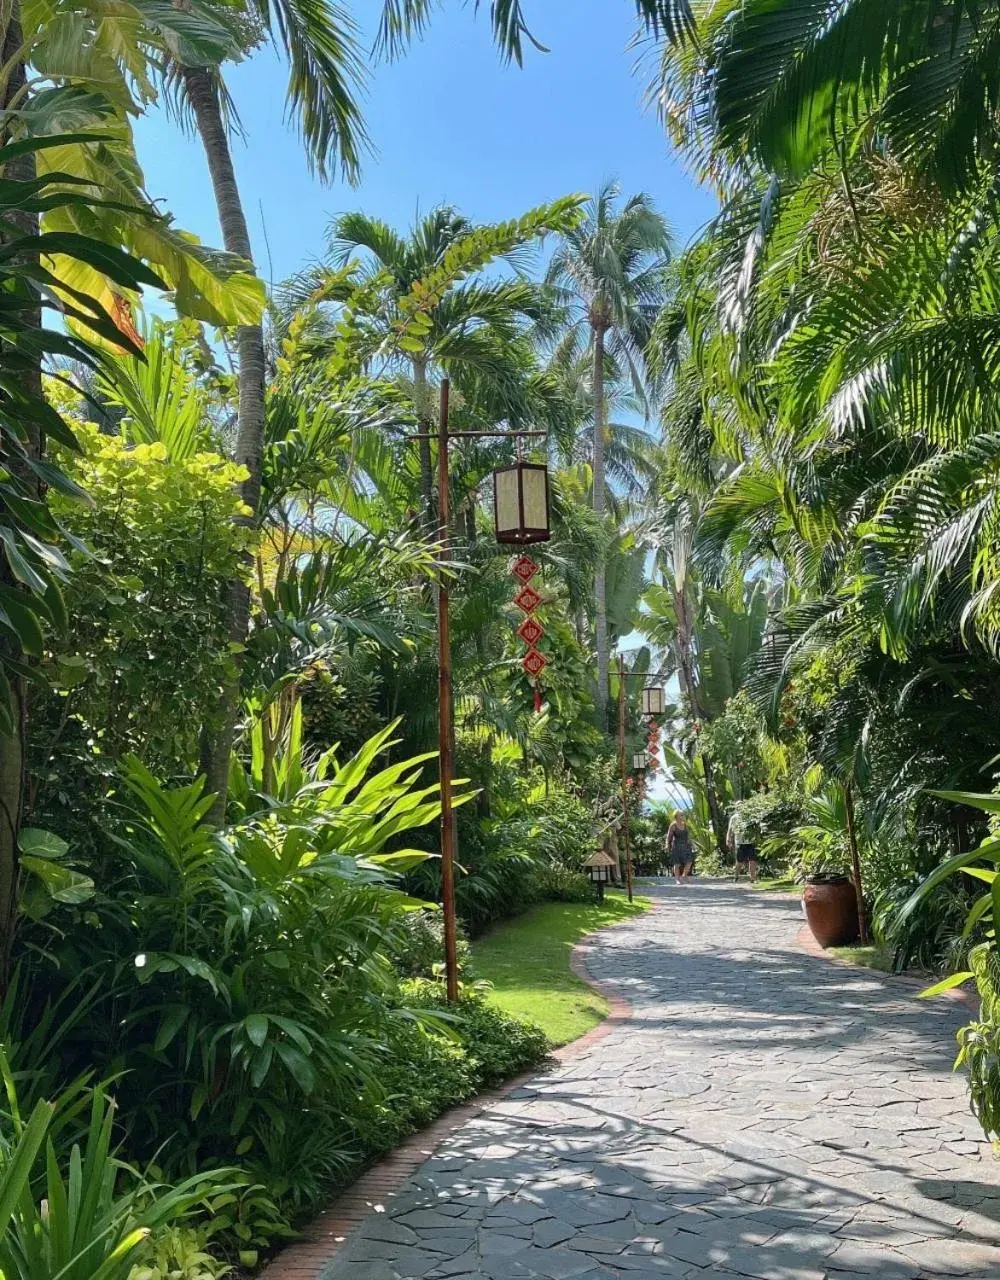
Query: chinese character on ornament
{"points": [[531, 631], [524, 569], [534, 662], [527, 599]]}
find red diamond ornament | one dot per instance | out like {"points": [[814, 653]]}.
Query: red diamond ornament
{"points": [[534, 662], [531, 631], [527, 599], [524, 569]]}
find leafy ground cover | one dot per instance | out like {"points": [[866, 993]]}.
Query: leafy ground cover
{"points": [[528, 962]]}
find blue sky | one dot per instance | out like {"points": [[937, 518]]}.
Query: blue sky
{"points": [[450, 123]]}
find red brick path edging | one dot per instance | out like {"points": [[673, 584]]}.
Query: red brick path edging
{"points": [[325, 1234]]}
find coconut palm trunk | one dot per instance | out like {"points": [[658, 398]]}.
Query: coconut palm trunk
{"points": [[600, 584], [689, 687], [202, 90], [13, 745]]}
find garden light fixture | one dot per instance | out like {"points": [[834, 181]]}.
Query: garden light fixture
{"points": [[521, 503], [600, 867]]}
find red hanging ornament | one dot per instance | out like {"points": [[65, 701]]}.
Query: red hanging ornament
{"points": [[538, 699], [524, 569], [534, 662], [531, 631], [527, 599]]}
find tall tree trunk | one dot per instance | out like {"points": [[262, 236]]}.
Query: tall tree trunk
{"points": [[600, 584], [13, 745], [716, 813], [422, 404], [689, 687], [203, 94]]}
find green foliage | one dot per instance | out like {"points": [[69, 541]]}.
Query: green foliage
{"points": [[436, 1056], [255, 1017], [497, 1045], [33, 566], [553, 882], [177, 1253], [339, 706], [418, 946], [735, 742], [149, 643], [157, 395], [979, 1040], [84, 1214]]}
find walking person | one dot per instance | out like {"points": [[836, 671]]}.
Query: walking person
{"points": [[737, 842], [680, 851]]}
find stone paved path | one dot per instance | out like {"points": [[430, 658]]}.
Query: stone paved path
{"points": [[764, 1113]]}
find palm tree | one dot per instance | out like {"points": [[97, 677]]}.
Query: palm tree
{"points": [[473, 326], [610, 272], [324, 71], [781, 85]]}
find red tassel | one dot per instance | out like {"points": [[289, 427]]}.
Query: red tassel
{"points": [[538, 700]]}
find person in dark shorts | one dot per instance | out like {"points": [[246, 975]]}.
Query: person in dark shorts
{"points": [[680, 850], [744, 849]]}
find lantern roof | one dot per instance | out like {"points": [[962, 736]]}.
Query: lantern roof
{"points": [[599, 858]]}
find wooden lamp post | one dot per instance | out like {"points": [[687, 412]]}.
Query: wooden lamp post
{"points": [[525, 510]]}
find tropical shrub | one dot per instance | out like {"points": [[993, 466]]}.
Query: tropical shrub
{"points": [[178, 1253], [149, 642], [774, 819], [553, 882], [497, 1045], [242, 989], [979, 1039], [418, 945], [87, 1214]]}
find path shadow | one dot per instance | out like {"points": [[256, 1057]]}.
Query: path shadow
{"points": [[770, 999]]}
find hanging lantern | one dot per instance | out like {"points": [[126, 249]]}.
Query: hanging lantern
{"points": [[652, 700], [521, 503], [640, 761]]}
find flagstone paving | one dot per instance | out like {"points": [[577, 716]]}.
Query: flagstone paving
{"points": [[763, 1113]]}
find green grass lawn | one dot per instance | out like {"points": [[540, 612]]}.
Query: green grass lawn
{"points": [[877, 956], [527, 960], [783, 884]]}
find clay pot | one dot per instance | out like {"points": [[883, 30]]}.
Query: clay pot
{"points": [[831, 907]]}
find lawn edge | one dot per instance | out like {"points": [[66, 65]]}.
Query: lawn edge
{"points": [[619, 1009], [326, 1234]]}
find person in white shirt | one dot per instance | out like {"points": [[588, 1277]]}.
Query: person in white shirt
{"points": [[744, 848]]}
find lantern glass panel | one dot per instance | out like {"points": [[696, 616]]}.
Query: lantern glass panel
{"points": [[508, 510], [652, 701], [536, 497]]}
